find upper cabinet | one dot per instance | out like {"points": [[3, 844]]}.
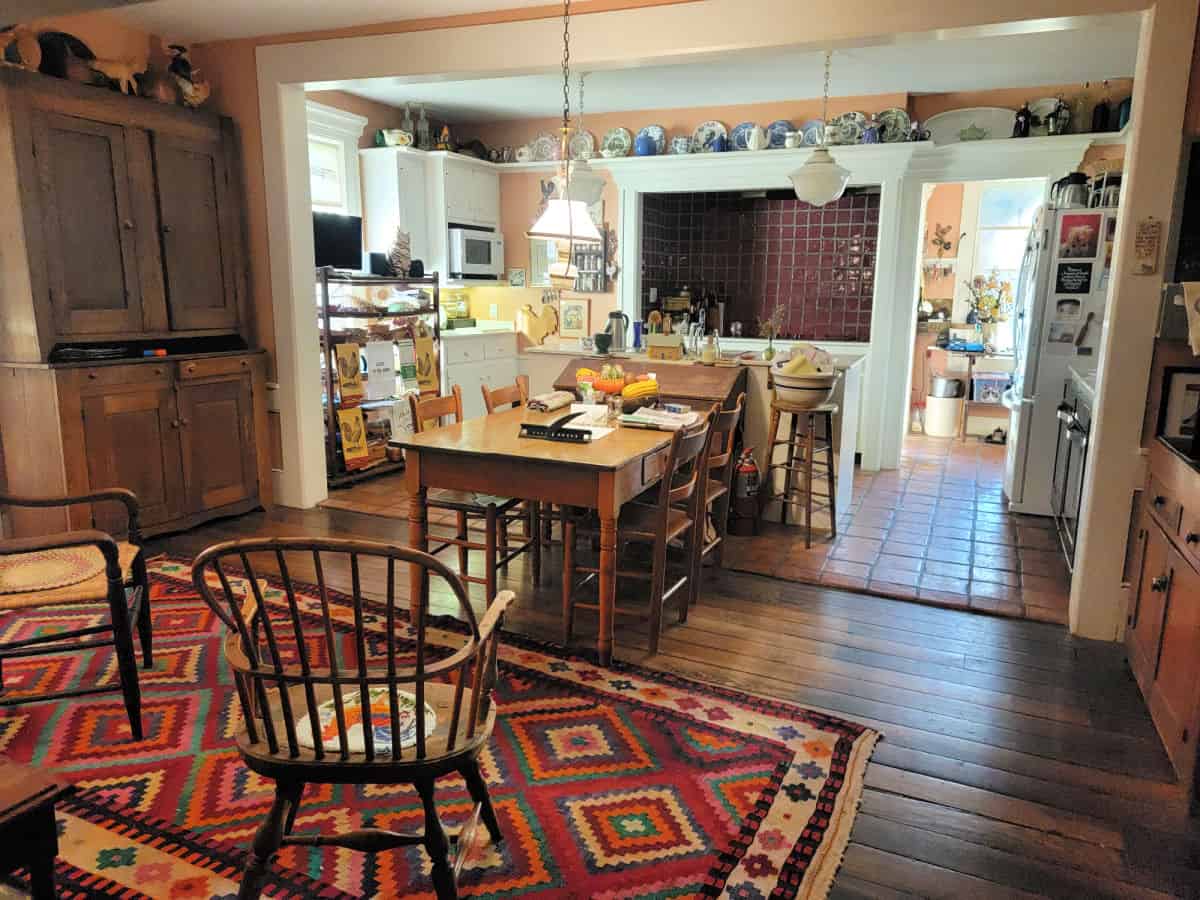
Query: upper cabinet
{"points": [[472, 193], [122, 218]]}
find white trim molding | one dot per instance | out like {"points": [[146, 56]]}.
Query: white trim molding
{"points": [[344, 128]]}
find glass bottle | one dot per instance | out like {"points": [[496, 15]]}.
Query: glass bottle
{"points": [[406, 124], [423, 139]]}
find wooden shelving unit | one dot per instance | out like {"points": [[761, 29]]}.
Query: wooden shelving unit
{"points": [[337, 473]]}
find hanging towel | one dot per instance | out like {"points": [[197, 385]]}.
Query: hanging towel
{"points": [[1191, 302]]}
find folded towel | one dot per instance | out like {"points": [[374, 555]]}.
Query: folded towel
{"points": [[551, 401], [1191, 302]]}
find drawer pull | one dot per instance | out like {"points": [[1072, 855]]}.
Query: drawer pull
{"points": [[1160, 500], [1159, 584], [128, 223], [92, 376], [1192, 538]]}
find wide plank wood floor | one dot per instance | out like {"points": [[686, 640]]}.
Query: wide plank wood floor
{"points": [[1017, 761]]}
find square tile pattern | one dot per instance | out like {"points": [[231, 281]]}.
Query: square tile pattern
{"points": [[757, 251], [935, 530]]}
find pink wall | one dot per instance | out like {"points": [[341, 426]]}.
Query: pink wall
{"points": [[943, 208]]}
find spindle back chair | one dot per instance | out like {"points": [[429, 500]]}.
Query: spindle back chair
{"points": [[303, 659]]}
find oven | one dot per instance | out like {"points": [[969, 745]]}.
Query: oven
{"points": [[1070, 464], [475, 253]]}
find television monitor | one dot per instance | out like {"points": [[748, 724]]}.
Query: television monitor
{"points": [[337, 241]]}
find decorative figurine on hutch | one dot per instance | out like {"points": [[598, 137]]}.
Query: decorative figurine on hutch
{"points": [[19, 47], [424, 141], [193, 92], [1059, 121], [1022, 121], [444, 142], [870, 133]]}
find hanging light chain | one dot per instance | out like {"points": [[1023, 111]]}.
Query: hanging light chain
{"points": [[579, 121], [825, 97], [566, 65]]}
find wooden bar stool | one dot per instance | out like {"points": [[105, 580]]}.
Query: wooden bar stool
{"points": [[804, 445], [496, 512]]}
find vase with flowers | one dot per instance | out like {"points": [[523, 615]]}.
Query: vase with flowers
{"points": [[990, 302], [770, 328]]}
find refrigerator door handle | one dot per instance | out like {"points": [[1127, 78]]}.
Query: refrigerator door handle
{"points": [[1009, 400]]}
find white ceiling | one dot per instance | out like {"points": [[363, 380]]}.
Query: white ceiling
{"points": [[215, 20], [1107, 49]]}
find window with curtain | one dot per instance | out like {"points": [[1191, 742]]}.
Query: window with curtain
{"points": [[327, 175]]}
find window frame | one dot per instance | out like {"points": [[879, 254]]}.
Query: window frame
{"points": [[330, 125]]}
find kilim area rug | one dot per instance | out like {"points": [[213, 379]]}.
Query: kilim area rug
{"points": [[608, 783]]}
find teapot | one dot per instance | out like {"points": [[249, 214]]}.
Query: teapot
{"points": [[756, 139]]}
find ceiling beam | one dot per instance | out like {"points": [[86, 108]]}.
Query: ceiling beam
{"points": [[14, 11]]}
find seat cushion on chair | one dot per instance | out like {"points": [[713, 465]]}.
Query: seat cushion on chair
{"points": [[92, 589], [468, 501], [381, 721]]}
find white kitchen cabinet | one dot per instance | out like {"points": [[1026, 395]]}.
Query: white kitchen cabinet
{"points": [[395, 196], [475, 360], [472, 193]]}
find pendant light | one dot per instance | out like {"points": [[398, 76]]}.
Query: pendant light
{"points": [[566, 219], [821, 180], [587, 184]]}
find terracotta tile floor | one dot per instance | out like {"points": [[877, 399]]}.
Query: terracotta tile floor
{"points": [[934, 530]]}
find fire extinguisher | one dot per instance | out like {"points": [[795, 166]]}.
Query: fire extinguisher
{"points": [[746, 476]]}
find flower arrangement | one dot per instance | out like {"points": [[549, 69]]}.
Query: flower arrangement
{"points": [[991, 299], [770, 328]]}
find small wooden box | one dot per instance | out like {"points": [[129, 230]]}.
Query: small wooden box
{"points": [[664, 346]]}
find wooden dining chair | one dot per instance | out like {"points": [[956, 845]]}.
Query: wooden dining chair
{"points": [[511, 396], [676, 515], [301, 672], [719, 491], [77, 567], [496, 513]]}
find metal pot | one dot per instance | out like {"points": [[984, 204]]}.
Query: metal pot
{"points": [[946, 387]]}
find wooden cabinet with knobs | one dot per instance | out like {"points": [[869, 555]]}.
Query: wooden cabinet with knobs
{"points": [[122, 219], [1162, 634], [183, 434]]}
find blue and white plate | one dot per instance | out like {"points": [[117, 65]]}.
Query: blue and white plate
{"points": [[657, 134], [813, 130], [777, 133], [616, 142], [707, 135], [739, 136]]}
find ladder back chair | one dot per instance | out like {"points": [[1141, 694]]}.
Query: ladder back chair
{"points": [[512, 396], [302, 667], [495, 512], [80, 567], [719, 491], [676, 514]]}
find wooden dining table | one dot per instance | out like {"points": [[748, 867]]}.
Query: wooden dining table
{"points": [[487, 455]]}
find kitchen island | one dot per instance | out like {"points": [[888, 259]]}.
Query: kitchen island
{"points": [[545, 367]]}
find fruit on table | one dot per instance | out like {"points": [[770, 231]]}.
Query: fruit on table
{"points": [[639, 389], [585, 374], [609, 385], [611, 372]]}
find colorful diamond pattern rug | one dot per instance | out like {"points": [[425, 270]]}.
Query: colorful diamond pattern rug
{"points": [[608, 783]]}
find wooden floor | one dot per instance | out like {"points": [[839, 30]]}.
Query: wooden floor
{"points": [[1017, 761]]}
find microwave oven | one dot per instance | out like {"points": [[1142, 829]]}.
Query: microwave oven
{"points": [[476, 253]]}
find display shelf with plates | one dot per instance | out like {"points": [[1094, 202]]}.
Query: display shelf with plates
{"points": [[975, 123], [582, 145], [777, 133], [658, 135], [813, 131], [545, 147], [740, 134], [894, 124]]}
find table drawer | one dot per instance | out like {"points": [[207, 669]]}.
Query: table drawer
{"points": [[211, 368], [653, 466], [1189, 533], [1164, 505]]}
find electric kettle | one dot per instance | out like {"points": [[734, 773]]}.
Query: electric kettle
{"points": [[618, 326]]}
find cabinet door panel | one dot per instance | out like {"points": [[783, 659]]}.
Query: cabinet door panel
{"points": [[197, 233], [1146, 629], [89, 225], [218, 442], [487, 196], [1178, 680], [132, 442]]}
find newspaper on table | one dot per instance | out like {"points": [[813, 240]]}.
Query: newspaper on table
{"points": [[660, 419]]}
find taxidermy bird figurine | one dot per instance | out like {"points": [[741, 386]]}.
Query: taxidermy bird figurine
{"points": [[192, 90], [19, 47], [122, 71]]}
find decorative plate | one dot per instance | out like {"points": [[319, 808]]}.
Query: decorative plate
{"points": [[545, 147], [948, 127], [847, 128], [812, 131], [381, 722], [706, 135], [737, 137], [777, 133], [658, 134], [524, 154], [1042, 110], [681, 144], [894, 124], [582, 145], [617, 142]]}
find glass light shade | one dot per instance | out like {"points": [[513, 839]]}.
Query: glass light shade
{"points": [[587, 185], [563, 221], [820, 180]]}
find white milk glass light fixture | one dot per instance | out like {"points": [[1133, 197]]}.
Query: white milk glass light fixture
{"points": [[821, 180]]}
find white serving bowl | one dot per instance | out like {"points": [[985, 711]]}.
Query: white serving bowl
{"points": [[804, 391]]}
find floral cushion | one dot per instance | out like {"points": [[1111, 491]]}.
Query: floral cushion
{"points": [[381, 722]]}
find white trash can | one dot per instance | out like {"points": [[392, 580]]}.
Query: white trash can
{"points": [[941, 416]]}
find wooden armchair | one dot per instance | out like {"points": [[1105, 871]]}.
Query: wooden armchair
{"points": [[100, 570], [300, 676]]}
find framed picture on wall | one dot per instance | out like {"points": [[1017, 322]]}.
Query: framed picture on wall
{"points": [[574, 317], [1182, 406], [516, 278]]}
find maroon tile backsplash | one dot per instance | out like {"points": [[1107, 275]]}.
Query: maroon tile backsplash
{"points": [[754, 250]]}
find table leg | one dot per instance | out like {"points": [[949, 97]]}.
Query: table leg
{"points": [[418, 533], [41, 877], [609, 510]]}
